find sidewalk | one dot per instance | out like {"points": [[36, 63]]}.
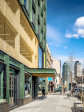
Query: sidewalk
{"points": [[53, 103]]}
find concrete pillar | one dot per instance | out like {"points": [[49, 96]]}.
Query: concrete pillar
{"points": [[21, 81]]}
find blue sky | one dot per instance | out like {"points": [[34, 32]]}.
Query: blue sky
{"points": [[65, 28]]}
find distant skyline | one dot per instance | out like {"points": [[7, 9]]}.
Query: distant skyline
{"points": [[65, 28]]}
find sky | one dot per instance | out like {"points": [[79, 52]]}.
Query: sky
{"points": [[65, 29]]}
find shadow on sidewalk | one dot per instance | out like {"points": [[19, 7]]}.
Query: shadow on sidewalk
{"points": [[42, 98]]}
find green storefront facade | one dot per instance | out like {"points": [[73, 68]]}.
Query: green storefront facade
{"points": [[14, 89], [12, 69]]}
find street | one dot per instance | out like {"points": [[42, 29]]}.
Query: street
{"points": [[52, 103]]}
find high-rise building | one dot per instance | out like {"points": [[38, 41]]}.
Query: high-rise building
{"points": [[66, 74], [67, 70], [22, 51], [77, 69]]}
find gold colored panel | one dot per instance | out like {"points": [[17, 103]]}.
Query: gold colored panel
{"points": [[25, 50], [12, 4]]}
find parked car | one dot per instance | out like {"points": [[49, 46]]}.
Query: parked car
{"points": [[77, 92]]}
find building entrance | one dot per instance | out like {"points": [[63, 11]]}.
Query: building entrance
{"points": [[34, 87], [12, 87]]}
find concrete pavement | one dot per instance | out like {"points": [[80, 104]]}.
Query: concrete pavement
{"points": [[53, 103]]}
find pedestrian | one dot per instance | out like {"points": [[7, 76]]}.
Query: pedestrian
{"points": [[64, 89], [43, 92], [60, 90]]}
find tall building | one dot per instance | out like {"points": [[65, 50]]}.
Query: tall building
{"points": [[22, 51], [77, 69], [56, 64], [66, 73]]}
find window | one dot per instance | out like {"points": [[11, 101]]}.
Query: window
{"points": [[41, 3], [33, 18], [38, 25], [27, 6], [38, 2], [41, 59], [25, 3], [42, 35], [27, 85]]}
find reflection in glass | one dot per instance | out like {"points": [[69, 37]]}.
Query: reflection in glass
{"points": [[27, 85]]}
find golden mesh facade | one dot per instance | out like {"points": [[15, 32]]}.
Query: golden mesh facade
{"points": [[17, 38]]}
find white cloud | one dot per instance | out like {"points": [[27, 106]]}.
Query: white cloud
{"points": [[72, 35], [81, 33], [80, 22], [78, 29]]}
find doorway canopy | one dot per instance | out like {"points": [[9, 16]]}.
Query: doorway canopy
{"points": [[43, 72]]}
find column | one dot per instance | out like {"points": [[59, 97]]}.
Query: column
{"points": [[21, 81], [6, 60]]}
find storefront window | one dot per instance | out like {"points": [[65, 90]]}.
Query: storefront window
{"points": [[27, 85], [2, 83]]}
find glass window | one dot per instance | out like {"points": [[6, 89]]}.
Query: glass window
{"points": [[2, 84], [27, 6], [41, 3], [40, 58], [27, 85], [25, 3]]}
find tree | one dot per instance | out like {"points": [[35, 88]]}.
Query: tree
{"points": [[71, 60]]}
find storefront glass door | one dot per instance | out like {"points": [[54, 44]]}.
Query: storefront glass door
{"points": [[12, 89]]}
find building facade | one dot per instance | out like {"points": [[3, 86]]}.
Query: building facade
{"points": [[77, 69], [66, 74], [22, 51], [48, 57], [56, 64], [78, 72]]}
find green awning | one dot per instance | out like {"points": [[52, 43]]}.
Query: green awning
{"points": [[42, 72]]}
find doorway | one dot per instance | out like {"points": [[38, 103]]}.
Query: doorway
{"points": [[12, 87], [34, 87]]}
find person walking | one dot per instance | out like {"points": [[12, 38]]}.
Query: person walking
{"points": [[43, 92]]}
